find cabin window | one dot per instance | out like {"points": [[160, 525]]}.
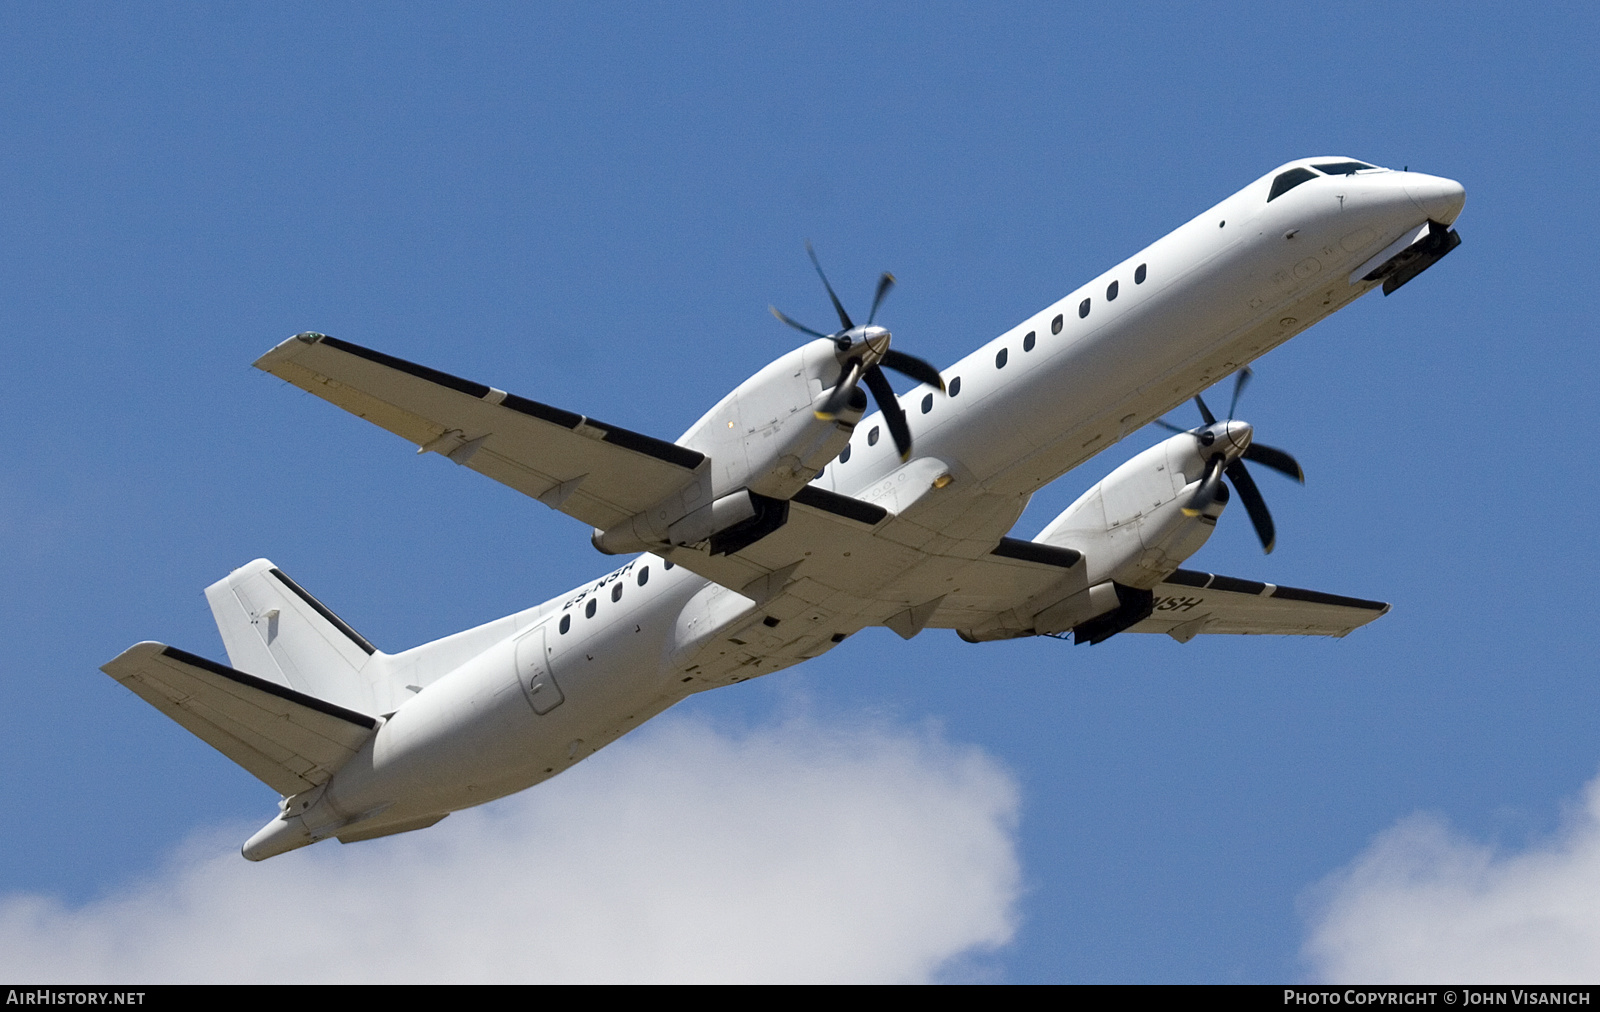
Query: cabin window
{"points": [[927, 403], [1083, 309], [1000, 358], [668, 564], [1027, 342], [955, 386], [588, 609], [616, 592], [1287, 181], [566, 623], [644, 576], [844, 454], [1055, 325], [1111, 292], [872, 437], [1139, 275]]}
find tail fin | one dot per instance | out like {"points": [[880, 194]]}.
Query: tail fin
{"points": [[275, 630]]}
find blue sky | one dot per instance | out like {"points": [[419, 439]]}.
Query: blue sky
{"points": [[594, 207]]}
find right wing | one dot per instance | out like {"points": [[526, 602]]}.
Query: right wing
{"points": [[598, 473], [1189, 603]]}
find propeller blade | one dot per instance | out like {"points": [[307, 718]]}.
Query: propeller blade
{"points": [[883, 393], [1271, 456], [841, 393], [884, 284], [1254, 505], [1205, 412], [1240, 379], [911, 365], [1207, 491], [797, 326], [1168, 425], [844, 317]]}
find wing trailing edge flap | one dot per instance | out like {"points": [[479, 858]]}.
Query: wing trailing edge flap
{"points": [[290, 741], [1189, 603], [827, 539], [853, 556], [598, 473], [1014, 575]]}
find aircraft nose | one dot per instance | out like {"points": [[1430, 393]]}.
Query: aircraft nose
{"points": [[1439, 198]]}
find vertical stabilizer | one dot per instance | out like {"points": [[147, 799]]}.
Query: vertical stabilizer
{"points": [[274, 629]]}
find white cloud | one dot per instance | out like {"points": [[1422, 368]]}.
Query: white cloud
{"points": [[1424, 904], [794, 853]]}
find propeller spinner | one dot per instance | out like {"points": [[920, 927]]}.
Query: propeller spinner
{"points": [[864, 353], [1229, 444]]}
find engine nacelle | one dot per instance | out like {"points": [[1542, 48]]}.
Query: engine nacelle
{"points": [[1132, 533], [1131, 527], [765, 435], [763, 443]]}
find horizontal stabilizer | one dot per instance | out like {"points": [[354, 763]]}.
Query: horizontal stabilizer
{"points": [[290, 741], [1189, 603]]}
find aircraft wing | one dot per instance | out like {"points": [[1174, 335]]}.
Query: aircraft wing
{"points": [[861, 564], [288, 740], [1189, 603], [599, 473]]}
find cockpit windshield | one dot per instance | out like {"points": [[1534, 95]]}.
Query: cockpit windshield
{"points": [[1342, 168], [1287, 181]]}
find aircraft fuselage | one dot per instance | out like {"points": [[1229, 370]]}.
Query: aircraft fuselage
{"points": [[1033, 403]]}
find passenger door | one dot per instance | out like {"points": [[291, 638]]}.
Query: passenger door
{"points": [[533, 671]]}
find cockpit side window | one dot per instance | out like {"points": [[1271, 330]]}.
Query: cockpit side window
{"points": [[1287, 181], [1341, 168]]}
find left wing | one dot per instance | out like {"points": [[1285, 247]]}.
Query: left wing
{"points": [[1189, 603], [599, 473]]}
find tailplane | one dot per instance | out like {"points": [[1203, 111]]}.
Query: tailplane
{"points": [[290, 741], [305, 694]]}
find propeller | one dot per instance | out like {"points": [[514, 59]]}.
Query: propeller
{"points": [[1231, 443], [864, 354]]}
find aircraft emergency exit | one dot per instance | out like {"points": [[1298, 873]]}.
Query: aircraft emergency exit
{"points": [[790, 517]]}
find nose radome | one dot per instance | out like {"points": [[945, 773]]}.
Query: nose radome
{"points": [[1440, 199]]}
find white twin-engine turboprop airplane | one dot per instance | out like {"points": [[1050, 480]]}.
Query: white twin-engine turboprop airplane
{"points": [[783, 521]]}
